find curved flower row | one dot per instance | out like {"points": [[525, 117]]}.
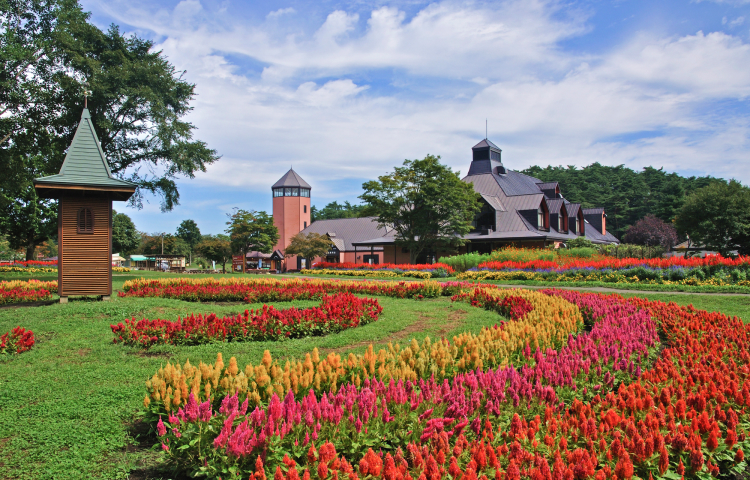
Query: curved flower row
{"points": [[686, 417], [372, 273], [548, 325], [335, 313], [254, 290], [640, 275], [17, 291], [390, 416], [611, 263], [18, 340], [399, 267]]}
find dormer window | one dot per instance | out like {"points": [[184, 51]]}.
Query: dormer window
{"points": [[540, 218], [85, 221], [559, 223]]}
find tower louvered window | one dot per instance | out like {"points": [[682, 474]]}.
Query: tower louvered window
{"points": [[85, 221]]}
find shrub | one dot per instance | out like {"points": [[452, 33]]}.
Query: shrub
{"points": [[335, 313], [461, 263], [18, 340]]}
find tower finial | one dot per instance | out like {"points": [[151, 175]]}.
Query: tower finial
{"points": [[86, 93]]}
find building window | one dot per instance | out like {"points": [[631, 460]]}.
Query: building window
{"points": [[540, 218], [85, 221], [305, 224], [578, 225], [295, 192], [304, 192], [559, 223], [278, 192], [304, 208]]}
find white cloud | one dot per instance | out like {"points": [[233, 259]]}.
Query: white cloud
{"points": [[282, 11], [321, 104]]}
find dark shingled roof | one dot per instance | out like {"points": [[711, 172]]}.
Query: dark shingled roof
{"points": [[555, 204], [548, 185], [347, 230], [573, 209], [589, 211], [291, 179], [485, 143]]}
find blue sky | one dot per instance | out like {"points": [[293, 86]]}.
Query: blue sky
{"points": [[344, 91]]}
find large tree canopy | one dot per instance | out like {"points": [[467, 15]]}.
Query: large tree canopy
{"points": [[125, 237], [308, 246], [251, 231], [625, 194], [717, 217], [426, 203], [49, 55], [216, 249]]}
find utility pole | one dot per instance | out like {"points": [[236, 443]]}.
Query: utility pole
{"points": [[162, 243]]}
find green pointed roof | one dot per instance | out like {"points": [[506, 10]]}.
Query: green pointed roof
{"points": [[85, 164]]}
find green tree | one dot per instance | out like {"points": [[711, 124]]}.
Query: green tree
{"points": [[336, 210], [426, 203], [216, 248], [308, 246], [50, 54], [191, 234], [251, 231], [718, 218], [125, 237], [626, 195], [167, 244]]}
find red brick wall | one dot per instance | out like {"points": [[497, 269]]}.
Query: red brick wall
{"points": [[289, 217]]}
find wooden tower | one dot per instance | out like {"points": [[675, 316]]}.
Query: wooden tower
{"points": [[85, 189]]}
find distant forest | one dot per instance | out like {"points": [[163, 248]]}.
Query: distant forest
{"points": [[625, 194], [336, 210]]}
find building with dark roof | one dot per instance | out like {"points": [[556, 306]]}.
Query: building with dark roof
{"points": [[516, 209], [291, 215]]}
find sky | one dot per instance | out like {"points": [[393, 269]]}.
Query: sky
{"points": [[344, 91]]}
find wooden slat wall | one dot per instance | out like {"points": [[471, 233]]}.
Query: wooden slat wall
{"points": [[85, 258]]}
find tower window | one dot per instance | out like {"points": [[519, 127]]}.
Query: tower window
{"points": [[304, 192], [278, 192], [85, 221], [295, 192], [304, 208], [305, 225]]}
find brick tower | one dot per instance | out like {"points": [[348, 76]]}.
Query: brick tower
{"points": [[291, 210]]}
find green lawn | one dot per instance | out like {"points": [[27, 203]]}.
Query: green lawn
{"points": [[68, 407]]}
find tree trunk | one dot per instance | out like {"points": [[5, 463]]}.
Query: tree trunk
{"points": [[244, 261], [30, 251]]}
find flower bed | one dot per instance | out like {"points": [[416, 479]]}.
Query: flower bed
{"points": [[30, 263], [713, 270], [15, 269], [19, 291], [686, 415], [335, 313], [368, 273], [407, 414], [120, 270], [18, 340], [548, 325], [274, 290], [438, 270]]}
